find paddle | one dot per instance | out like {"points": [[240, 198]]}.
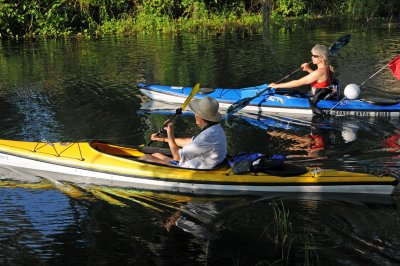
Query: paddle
{"points": [[336, 46], [179, 110]]}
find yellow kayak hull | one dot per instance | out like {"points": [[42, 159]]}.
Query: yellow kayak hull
{"points": [[107, 164]]}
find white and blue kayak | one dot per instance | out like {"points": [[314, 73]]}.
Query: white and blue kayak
{"points": [[275, 102]]}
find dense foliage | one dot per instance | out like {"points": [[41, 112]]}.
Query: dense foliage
{"points": [[30, 18]]}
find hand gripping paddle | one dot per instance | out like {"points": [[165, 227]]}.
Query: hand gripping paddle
{"points": [[179, 110]]}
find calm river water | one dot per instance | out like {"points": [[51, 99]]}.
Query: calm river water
{"points": [[69, 90]]}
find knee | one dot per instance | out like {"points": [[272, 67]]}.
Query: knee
{"points": [[145, 157], [157, 155]]}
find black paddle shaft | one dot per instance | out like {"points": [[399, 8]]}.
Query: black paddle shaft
{"points": [[161, 130], [178, 111]]}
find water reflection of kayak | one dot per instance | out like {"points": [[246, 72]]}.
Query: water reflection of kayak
{"points": [[114, 165], [260, 120], [275, 102]]}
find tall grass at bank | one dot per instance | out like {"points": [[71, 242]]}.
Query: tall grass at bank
{"points": [[291, 245], [38, 18], [197, 20]]}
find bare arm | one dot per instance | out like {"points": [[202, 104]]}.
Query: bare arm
{"points": [[310, 78], [175, 143], [181, 142], [174, 149]]}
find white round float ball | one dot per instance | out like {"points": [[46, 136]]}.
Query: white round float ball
{"points": [[352, 91]]}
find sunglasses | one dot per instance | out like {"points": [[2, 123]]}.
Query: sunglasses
{"points": [[315, 56]]}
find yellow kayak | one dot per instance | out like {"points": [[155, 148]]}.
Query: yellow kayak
{"points": [[113, 165]]}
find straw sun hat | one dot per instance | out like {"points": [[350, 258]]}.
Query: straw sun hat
{"points": [[206, 108]]}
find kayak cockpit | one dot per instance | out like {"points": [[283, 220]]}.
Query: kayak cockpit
{"points": [[134, 153], [116, 150], [284, 169]]}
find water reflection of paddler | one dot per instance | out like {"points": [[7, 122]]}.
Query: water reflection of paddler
{"points": [[193, 218], [312, 143], [393, 142]]}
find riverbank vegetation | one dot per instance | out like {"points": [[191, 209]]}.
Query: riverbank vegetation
{"points": [[55, 18]]}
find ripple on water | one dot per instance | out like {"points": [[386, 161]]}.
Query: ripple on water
{"points": [[333, 228], [33, 220]]}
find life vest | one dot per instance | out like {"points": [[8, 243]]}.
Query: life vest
{"points": [[322, 84]]}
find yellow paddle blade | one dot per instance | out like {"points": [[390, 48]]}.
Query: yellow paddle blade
{"points": [[195, 89]]}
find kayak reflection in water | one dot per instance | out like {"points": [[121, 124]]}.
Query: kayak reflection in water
{"points": [[319, 79], [203, 151]]}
